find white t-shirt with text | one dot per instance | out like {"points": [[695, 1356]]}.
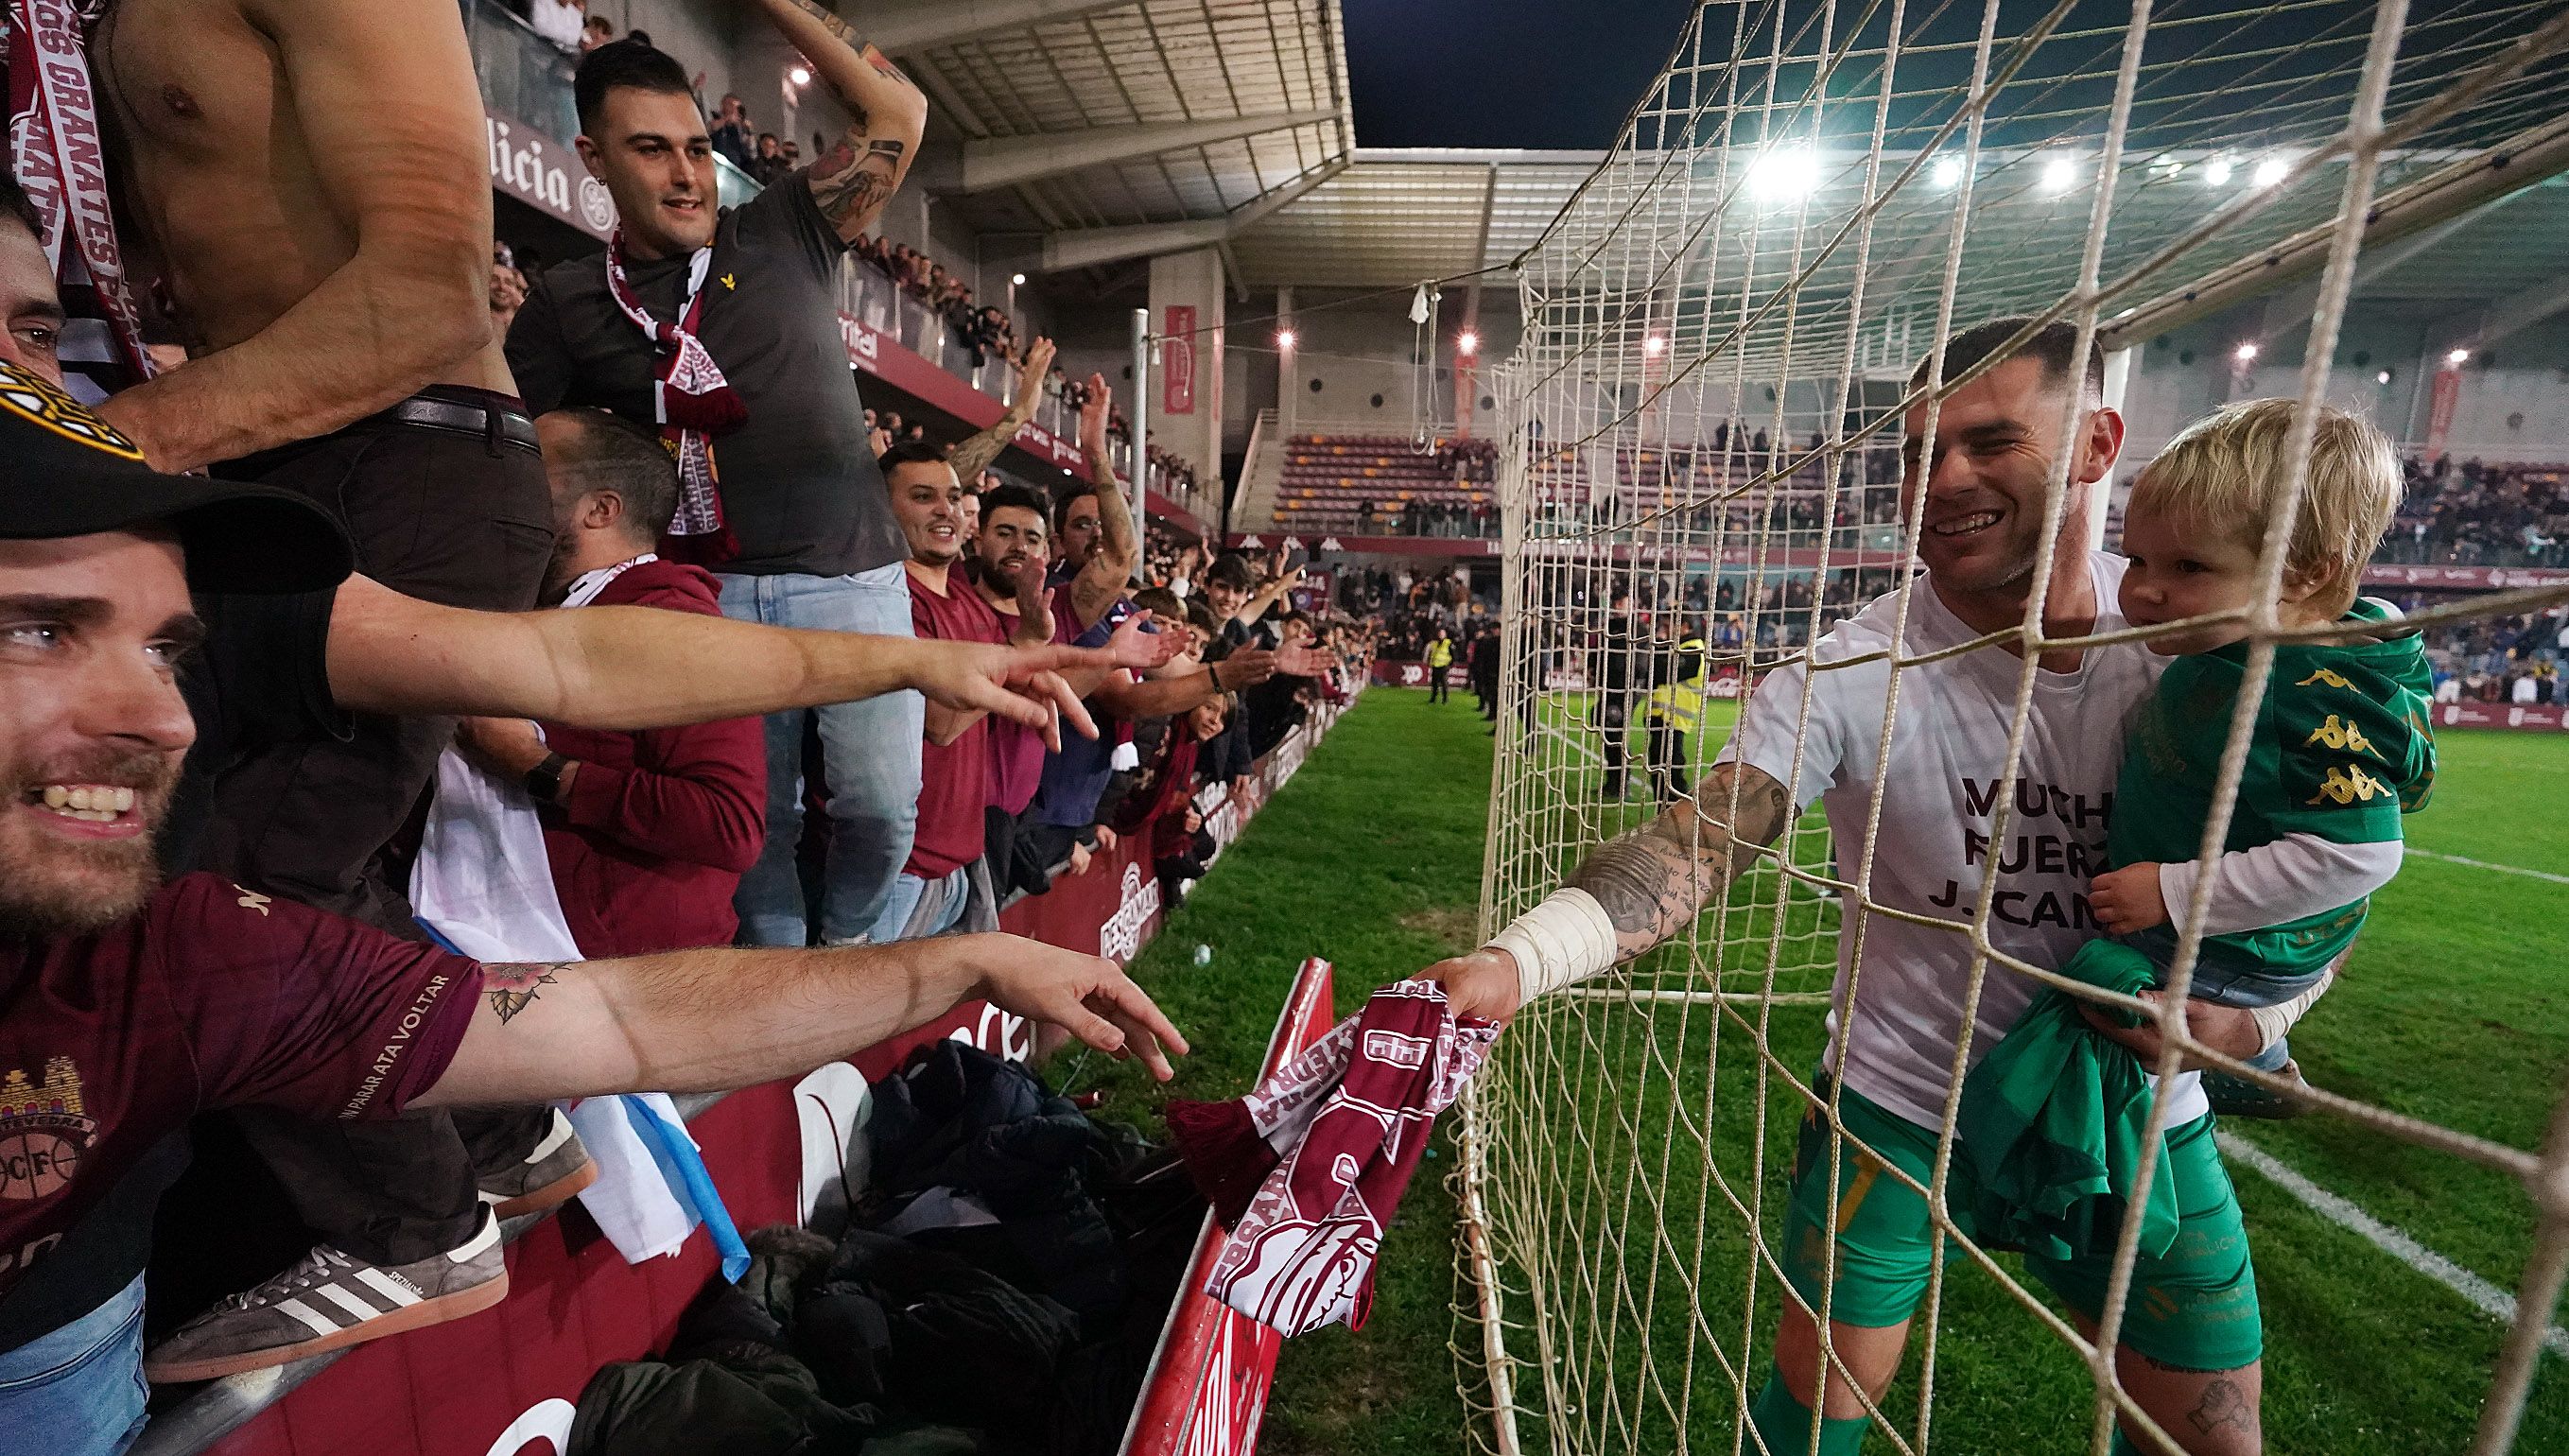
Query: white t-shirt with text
{"points": [[1895, 1042]]}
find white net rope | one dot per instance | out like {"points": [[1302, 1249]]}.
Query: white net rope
{"points": [[1705, 413]]}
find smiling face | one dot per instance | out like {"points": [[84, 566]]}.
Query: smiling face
{"points": [[1008, 537], [2180, 569], [91, 726], [1205, 719], [652, 150], [929, 503], [1996, 440]]}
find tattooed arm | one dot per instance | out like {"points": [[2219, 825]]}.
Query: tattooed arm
{"points": [[860, 173], [975, 453], [1110, 567], [714, 1019], [1652, 881]]}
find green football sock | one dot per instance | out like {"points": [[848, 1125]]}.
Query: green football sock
{"points": [[1784, 1423]]}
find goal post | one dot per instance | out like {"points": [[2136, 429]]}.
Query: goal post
{"points": [[1726, 332]]}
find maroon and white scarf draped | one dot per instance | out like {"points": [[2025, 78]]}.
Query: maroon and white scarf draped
{"points": [[57, 150], [692, 403], [1307, 1169]]}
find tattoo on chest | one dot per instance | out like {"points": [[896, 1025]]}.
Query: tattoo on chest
{"points": [[511, 988]]}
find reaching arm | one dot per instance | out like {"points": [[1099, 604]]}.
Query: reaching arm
{"points": [[628, 668], [1635, 890], [1101, 581], [862, 173], [405, 166], [714, 1019], [974, 455]]}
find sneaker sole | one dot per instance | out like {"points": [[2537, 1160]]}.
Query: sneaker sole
{"points": [[425, 1312], [553, 1195]]}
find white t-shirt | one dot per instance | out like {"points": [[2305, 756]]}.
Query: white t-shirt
{"points": [[1947, 754], [2525, 689]]}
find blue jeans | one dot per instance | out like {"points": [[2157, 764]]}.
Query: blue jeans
{"points": [[869, 763], [903, 904], [77, 1390]]}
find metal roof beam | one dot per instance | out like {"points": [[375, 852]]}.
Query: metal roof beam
{"points": [[1003, 161], [1087, 248], [924, 26]]}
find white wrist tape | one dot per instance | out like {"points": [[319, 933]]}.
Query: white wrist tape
{"points": [[2273, 1021], [1562, 942]]}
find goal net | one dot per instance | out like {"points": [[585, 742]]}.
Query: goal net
{"points": [[1702, 431]]}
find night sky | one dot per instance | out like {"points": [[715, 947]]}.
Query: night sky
{"points": [[1503, 73]]}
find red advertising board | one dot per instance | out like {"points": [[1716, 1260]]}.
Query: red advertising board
{"points": [[1207, 1390], [2550, 716], [1178, 360]]}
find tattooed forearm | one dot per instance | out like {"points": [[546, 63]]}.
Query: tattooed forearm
{"points": [[828, 22], [511, 988], [1654, 880]]}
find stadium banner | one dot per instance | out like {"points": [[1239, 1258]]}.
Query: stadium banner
{"points": [[1178, 361], [2552, 717], [1206, 1393], [538, 170], [2465, 578], [508, 1382]]}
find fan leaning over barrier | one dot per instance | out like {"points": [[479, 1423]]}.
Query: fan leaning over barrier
{"points": [[2191, 1348]]}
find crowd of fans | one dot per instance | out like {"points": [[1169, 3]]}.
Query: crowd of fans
{"points": [[2478, 514], [2514, 658]]}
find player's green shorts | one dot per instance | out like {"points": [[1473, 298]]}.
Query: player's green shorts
{"points": [[2194, 1307]]}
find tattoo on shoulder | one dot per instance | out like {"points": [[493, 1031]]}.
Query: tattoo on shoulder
{"points": [[511, 988]]}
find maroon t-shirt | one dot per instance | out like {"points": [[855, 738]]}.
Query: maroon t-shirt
{"points": [[953, 779], [1018, 751], [212, 996]]}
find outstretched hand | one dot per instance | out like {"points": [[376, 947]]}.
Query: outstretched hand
{"points": [[1303, 660], [1138, 647], [1482, 983], [1094, 409], [1019, 684], [1086, 995]]}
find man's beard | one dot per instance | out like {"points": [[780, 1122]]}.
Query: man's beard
{"points": [[52, 888]]}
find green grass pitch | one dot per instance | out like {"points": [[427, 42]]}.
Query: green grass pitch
{"points": [[2453, 1010]]}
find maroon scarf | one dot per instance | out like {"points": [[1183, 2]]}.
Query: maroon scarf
{"points": [[1307, 1169], [692, 403], [58, 152]]}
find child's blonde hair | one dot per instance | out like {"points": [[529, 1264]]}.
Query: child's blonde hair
{"points": [[2226, 472]]}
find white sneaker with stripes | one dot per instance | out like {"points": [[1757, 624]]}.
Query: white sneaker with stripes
{"points": [[328, 1301]]}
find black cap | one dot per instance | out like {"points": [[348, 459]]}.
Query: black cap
{"points": [[65, 471]]}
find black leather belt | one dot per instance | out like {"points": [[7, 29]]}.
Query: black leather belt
{"points": [[494, 425]]}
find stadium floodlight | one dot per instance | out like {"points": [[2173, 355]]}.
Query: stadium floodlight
{"points": [[1948, 171], [799, 76], [2247, 353], [1285, 339], [2458, 357], [2381, 377], [2216, 173], [1467, 343], [1018, 278], [1652, 345], [2059, 174], [2270, 172], [1784, 174]]}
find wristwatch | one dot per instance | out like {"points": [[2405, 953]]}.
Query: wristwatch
{"points": [[543, 781]]}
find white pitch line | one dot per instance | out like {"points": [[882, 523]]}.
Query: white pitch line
{"points": [[2487, 1297], [2485, 865]]}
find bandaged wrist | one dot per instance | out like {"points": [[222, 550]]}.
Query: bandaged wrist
{"points": [[1562, 942], [2274, 1022]]}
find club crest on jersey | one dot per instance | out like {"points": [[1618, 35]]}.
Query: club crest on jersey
{"points": [[2339, 734], [2349, 786], [2327, 677], [43, 1131]]}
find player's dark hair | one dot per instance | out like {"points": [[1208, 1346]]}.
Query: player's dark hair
{"points": [[632, 62], [1230, 572], [607, 452], [1015, 497], [1159, 602], [909, 452], [2054, 344]]}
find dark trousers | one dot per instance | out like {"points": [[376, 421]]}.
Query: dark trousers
{"points": [[463, 519], [1613, 710], [1436, 692], [1668, 761]]}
